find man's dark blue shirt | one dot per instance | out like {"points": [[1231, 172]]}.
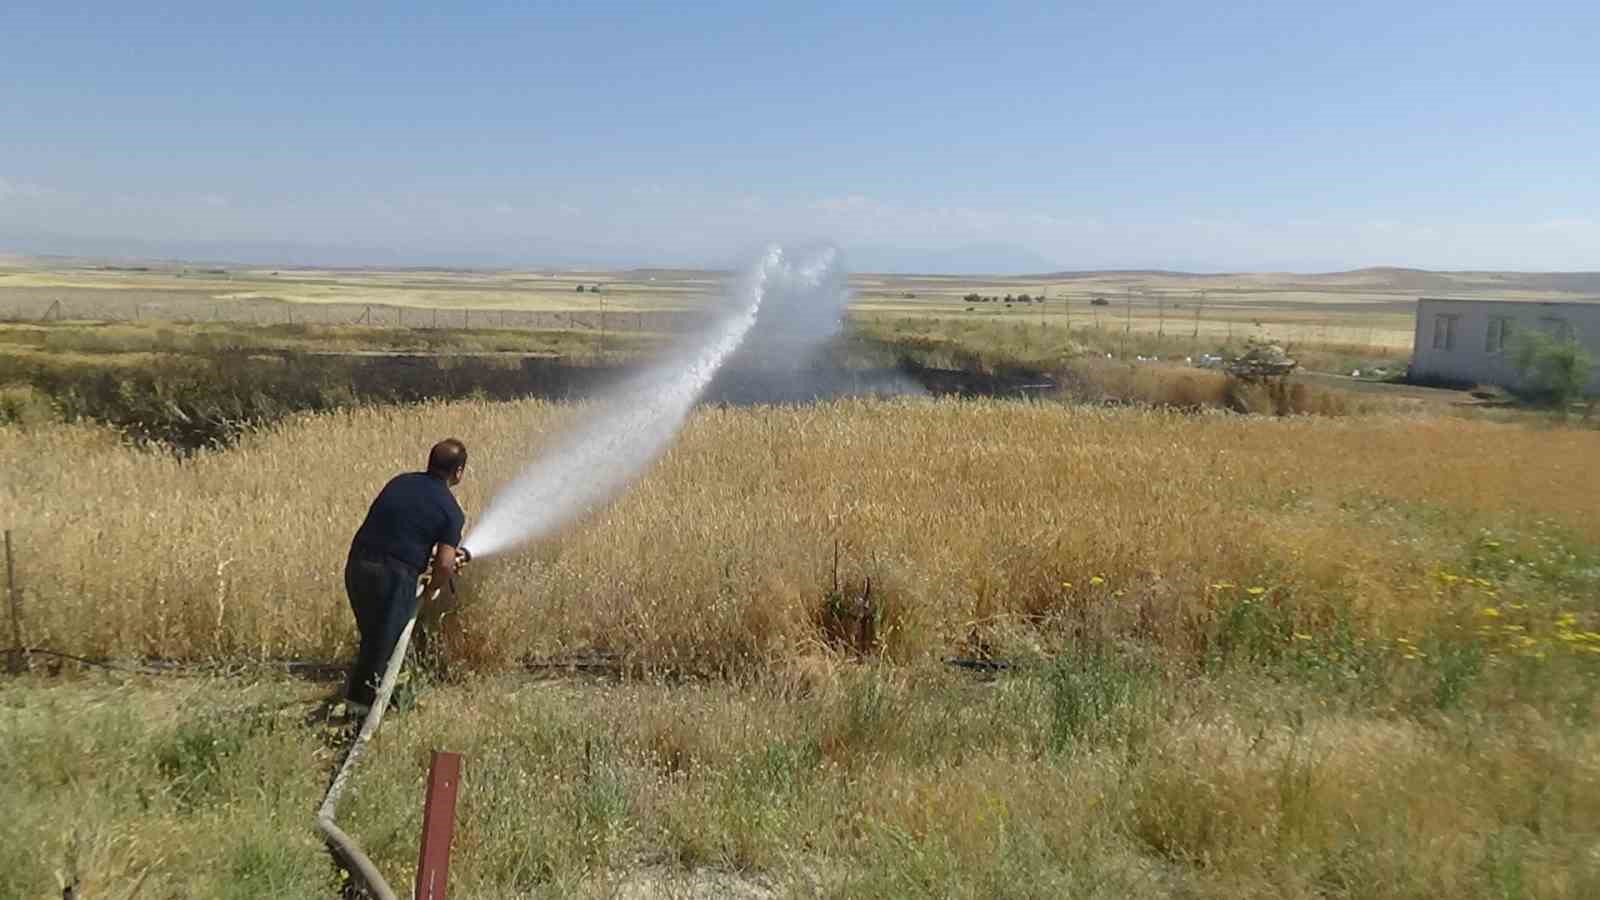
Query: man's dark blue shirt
{"points": [[412, 513]]}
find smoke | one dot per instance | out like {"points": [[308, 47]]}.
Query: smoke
{"points": [[797, 306]]}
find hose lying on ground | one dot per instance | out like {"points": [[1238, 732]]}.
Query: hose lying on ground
{"points": [[341, 843]]}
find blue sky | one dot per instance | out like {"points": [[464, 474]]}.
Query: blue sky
{"points": [[1268, 135]]}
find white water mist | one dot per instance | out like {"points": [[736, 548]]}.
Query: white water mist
{"points": [[633, 424]]}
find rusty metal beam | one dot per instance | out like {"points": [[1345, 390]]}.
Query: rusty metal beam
{"points": [[438, 825]]}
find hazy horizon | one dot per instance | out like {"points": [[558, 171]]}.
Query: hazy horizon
{"points": [[290, 257], [919, 137]]}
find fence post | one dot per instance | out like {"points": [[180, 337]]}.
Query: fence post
{"points": [[438, 825], [19, 658], [1127, 323]]}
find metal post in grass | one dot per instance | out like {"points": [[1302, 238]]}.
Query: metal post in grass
{"points": [[1127, 323], [20, 655], [438, 825]]}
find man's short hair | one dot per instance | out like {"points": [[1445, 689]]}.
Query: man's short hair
{"points": [[446, 457]]}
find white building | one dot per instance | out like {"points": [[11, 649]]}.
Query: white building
{"points": [[1475, 340]]}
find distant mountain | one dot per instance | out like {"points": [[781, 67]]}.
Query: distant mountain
{"points": [[289, 253], [1443, 282], [972, 259]]}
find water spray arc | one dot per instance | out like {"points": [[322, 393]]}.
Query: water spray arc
{"points": [[635, 423]]}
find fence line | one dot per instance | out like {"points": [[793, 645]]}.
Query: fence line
{"points": [[185, 310]]}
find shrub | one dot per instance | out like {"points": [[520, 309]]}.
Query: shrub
{"points": [[22, 404], [1555, 371]]}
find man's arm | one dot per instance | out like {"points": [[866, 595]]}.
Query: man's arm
{"points": [[444, 565], [447, 558]]}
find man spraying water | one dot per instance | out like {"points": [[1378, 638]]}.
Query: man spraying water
{"points": [[417, 511], [414, 519]]}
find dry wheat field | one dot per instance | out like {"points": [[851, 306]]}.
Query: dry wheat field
{"points": [[1202, 655]]}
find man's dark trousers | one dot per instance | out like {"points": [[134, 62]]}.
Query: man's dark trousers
{"points": [[383, 595]]}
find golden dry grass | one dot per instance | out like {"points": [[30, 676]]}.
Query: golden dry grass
{"points": [[974, 520], [1256, 657]]}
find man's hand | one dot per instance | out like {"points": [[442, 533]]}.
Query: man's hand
{"points": [[446, 562]]}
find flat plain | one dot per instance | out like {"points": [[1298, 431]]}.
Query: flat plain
{"points": [[1371, 307]]}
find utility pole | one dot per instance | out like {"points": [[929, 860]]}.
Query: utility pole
{"points": [[1127, 322]]}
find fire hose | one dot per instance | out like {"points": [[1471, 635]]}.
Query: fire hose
{"points": [[356, 860]]}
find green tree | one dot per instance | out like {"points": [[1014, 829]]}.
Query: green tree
{"points": [[1555, 371]]}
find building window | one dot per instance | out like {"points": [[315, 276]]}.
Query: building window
{"points": [[1500, 334], [1444, 332]]}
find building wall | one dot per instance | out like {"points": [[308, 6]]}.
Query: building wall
{"points": [[1466, 350]]}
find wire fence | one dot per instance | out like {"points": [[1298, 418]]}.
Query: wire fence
{"points": [[180, 309], [1170, 318]]}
